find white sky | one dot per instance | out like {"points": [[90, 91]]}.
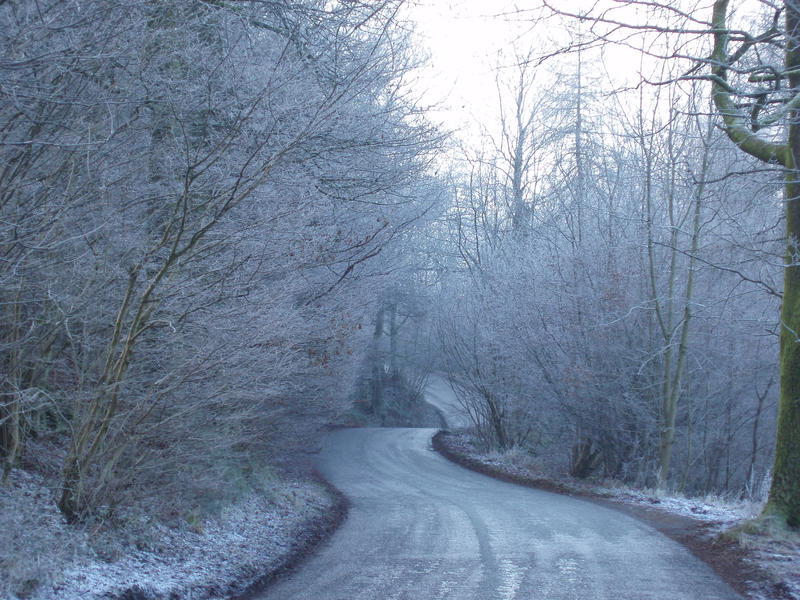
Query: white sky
{"points": [[466, 41], [463, 38]]}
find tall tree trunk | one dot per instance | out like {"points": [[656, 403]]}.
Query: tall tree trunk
{"points": [[518, 217], [376, 379], [674, 326], [497, 421], [10, 434], [394, 328], [784, 496], [785, 491], [761, 397]]}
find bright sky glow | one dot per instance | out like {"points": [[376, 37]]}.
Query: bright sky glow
{"points": [[468, 39], [463, 38]]}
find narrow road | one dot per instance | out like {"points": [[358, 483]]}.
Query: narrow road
{"points": [[439, 394], [421, 527]]}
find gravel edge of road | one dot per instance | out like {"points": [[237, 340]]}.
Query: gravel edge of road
{"points": [[315, 535], [730, 560]]}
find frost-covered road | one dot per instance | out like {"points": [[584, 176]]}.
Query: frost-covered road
{"points": [[421, 527]]}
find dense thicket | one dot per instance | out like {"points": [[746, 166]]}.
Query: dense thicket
{"points": [[216, 231], [612, 285], [193, 196]]}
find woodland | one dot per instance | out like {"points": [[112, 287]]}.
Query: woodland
{"points": [[227, 224]]}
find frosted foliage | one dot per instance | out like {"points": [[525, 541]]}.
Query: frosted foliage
{"points": [[568, 286], [194, 195]]}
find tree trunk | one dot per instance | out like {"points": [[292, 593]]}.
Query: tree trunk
{"points": [[394, 369], [672, 323], [69, 502], [376, 383], [496, 419], [784, 495], [756, 422], [10, 438], [11, 411]]}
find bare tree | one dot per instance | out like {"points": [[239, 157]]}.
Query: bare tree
{"points": [[753, 84], [201, 186]]}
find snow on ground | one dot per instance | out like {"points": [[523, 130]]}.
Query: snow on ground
{"points": [[518, 463], [711, 509], [42, 558]]}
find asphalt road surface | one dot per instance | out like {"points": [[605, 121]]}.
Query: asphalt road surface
{"points": [[439, 393], [421, 527]]}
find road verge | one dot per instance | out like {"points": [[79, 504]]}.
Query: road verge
{"points": [[316, 533]]}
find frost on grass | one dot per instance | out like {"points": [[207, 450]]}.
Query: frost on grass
{"points": [[518, 463], [35, 541], [41, 557], [711, 509]]}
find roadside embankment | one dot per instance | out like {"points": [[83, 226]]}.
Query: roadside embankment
{"points": [[233, 553]]}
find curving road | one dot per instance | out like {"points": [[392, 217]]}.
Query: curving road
{"points": [[421, 527], [439, 394]]}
